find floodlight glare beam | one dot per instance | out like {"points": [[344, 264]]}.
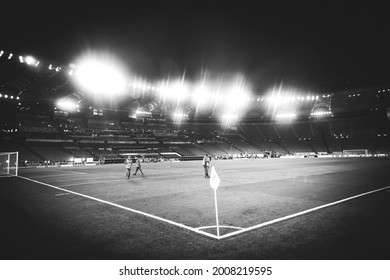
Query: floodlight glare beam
{"points": [[100, 75]]}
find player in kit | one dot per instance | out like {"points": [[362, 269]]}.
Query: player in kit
{"points": [[137, 166], [206, 165], [128, 163]]}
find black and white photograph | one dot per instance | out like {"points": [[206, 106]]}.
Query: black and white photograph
{"points": [[239, 131]]}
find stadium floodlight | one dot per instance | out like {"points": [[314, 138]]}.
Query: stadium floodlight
{"points": [[101, 75], [67, 105], [201, 94], [283, 101], [321, 113], [180, 115], [235, 98], [229, 120], [235, 95], [141, 85], [140, 112], [176, 90], [72, 68], [282, 95], [229, 117], [30, 60], [285, 116]]}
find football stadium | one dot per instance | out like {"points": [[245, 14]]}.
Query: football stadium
{"points": [[295, 172]]}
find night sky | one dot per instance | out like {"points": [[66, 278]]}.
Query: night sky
{"points": [[311, 46]]}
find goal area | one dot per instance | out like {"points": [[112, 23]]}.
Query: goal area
{"points": [[355, 152], [9, 163]]}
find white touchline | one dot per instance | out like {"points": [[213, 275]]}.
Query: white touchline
{"points": [[123, 207], [301, 213]]}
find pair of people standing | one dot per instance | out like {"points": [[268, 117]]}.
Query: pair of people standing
{"points": [[129, 163]]}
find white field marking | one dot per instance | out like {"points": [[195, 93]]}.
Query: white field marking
{"points": [[125, 208], [300, 213], [206, 227]]}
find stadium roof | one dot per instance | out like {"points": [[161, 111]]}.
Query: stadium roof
{"points": [[316, 50]]}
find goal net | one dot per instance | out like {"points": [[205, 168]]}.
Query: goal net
{"points": [[9, 163], [355, 152]]}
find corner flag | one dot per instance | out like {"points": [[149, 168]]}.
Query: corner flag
{"points": [[214, 179]]}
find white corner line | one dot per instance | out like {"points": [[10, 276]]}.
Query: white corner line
{"points": [[300, 213], [221, 226], [125, 208]]}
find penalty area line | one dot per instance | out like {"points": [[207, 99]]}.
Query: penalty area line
{"points": [[301, 213], [124, 208]]}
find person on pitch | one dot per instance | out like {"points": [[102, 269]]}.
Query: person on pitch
{"points": [[137, 166], [206, 165], [128, 163]]}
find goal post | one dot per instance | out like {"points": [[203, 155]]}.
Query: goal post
{"points": [[9, 163]]}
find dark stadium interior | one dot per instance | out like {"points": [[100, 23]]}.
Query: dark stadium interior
{"points": [[294, 110]]}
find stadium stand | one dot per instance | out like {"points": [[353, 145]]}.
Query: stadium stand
{"points": [[359, 121], [44, 139]]}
